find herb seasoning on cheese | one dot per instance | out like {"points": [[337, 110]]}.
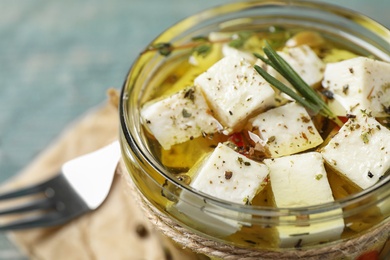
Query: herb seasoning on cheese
{"points": [[292, 125]]}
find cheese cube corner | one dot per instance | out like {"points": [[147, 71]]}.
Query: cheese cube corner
{"points": [[230, 176], [358, 83], [360, 150], [287, 129], [235, 91], [231, 51], [305, 62], [226, 175], [180, 117], [301, 181]]}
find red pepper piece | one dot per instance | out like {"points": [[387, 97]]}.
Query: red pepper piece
{"points": [[343, 119], [237, 139], [371, 255]]}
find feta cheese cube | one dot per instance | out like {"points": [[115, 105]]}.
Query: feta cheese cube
{"points": [[358, 83], [280, 97], [235, 91], [230, 176], [210, 217], [287, 129], [226, 175], [360, 151], [231, 51], [179, 117], [247, 45], [320, 230], [305, 62], [301, 181]]}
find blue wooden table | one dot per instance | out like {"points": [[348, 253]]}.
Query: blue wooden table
{"points": [[57, 58]]}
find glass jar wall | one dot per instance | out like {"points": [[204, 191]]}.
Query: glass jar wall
{"points": [[365, 214]]}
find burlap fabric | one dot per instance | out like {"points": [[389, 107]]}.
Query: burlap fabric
{"points": [[118, 229]]}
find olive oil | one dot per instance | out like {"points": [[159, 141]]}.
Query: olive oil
{"points": [[182, 157]]}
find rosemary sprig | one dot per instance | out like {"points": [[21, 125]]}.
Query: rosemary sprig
{"points": [[199, 45], [305, 95], [279, 85]]}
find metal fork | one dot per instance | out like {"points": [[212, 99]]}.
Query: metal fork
{"points": [[80, 187]]}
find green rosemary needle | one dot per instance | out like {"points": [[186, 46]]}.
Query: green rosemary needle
{"points": [[305, 95]]}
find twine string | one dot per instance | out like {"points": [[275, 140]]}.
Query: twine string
{"points": [[201, 245]]}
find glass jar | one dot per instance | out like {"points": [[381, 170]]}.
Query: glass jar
{"points": [[365, 214]]}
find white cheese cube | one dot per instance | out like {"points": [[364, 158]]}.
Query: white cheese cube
{"points": [[235, 91], [320, 230], [179, 117], [230, 176], [231, 51], [358, 83], [213, 218], [301, 181], [360, 151], [280, 97], [305, 62], [226, 175], [287, 129]]}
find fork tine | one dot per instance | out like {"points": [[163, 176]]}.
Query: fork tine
{"points": [[23, 191], [48, 219], [29, 206]]}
